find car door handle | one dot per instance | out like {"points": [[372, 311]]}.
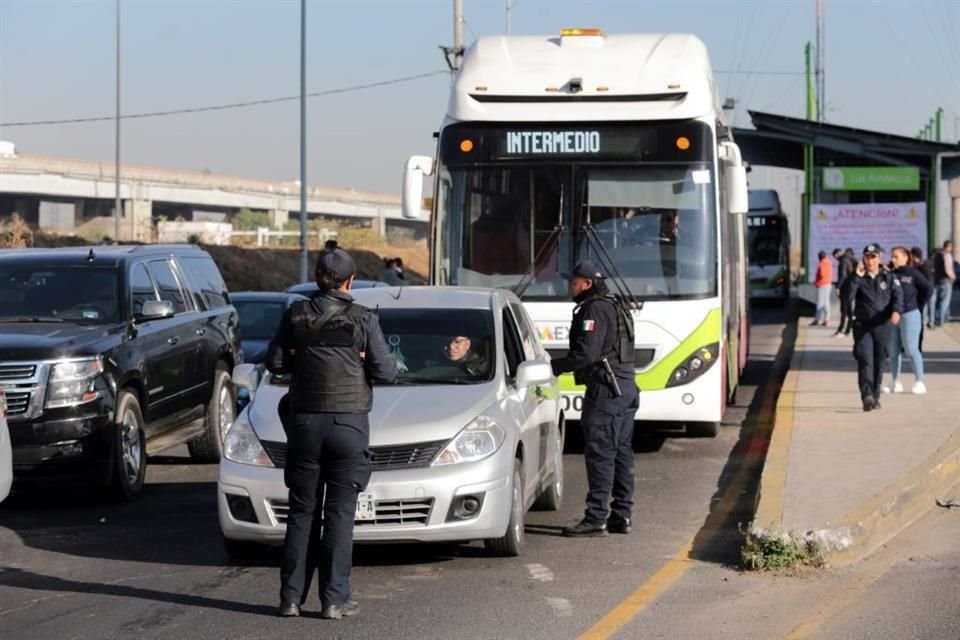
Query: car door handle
{"points": [[200, 332], [173, 340]]}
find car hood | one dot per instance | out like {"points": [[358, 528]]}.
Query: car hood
{"points": [[400, 415], [46, 340]]}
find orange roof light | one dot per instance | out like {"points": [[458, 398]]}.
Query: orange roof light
{"points": [[581, 32], [466, 146], [683, 143]]}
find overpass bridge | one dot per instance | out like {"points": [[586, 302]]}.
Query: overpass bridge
{"points": [[62, 194]]}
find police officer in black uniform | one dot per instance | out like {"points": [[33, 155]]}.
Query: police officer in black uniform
{"points": [[601, 356], [334, 350], [875, 298]]}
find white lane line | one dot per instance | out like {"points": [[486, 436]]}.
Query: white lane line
{"points": [[561, 607], [540, 572]]}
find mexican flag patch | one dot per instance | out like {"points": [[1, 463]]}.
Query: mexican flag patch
{"points": [[589, 325]]}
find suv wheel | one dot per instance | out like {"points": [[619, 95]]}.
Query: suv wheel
{"points": [[220, 415], [130, 451]]}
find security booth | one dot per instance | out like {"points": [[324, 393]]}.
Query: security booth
{"points": [[860, 186]]}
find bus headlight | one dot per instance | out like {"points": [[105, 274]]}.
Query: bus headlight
{"points": [[695, 365]]}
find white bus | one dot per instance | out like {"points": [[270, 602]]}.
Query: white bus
{"points": [[609, 148]]}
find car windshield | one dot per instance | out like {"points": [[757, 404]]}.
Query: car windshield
{"points": [[37, 293], [440, 346], [259, 319]]}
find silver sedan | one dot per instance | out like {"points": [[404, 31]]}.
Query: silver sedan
{"points": [[464, 444]]}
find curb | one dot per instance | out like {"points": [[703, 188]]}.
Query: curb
{"points": [[864, 529]]}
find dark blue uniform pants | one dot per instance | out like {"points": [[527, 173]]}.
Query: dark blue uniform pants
{"points": [[328, 464], [607, 424], [871, 349]]}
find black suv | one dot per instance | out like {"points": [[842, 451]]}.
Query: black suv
{"points": [[110, 353]]}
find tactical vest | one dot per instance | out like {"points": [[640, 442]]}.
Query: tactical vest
{"points": [[620, 352], [328, 373]]}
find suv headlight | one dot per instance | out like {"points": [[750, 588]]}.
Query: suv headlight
{"points": [[72, 382], [242, 445], [478, 440]]}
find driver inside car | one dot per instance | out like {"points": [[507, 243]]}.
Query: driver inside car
{"points": [[459, 351]]}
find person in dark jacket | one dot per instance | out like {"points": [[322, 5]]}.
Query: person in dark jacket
{"points": [[602, 332], [926, 268], [847, 266], [334, 350], [906, 336], [876, 299]]}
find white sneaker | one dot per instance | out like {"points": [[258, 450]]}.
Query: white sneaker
{"points": [[898, 387], [919, 387], [884, 389]]}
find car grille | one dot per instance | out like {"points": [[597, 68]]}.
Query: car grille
{"points": [[17, 403], [17, 371], [641, 357], [411, 512], [406, 456]]}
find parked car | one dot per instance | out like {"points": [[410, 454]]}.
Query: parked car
{"points": [[310, 288], [461, 449], [6, 455], [112, 353], [260, 314]]}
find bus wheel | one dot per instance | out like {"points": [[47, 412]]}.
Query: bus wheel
{"points": [[703, 429]]}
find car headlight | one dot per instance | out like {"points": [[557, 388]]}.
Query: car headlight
{"points": [[695, 365], [478, 440], [242, 445], [72, 382]]}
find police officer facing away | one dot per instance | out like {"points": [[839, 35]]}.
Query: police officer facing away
{"points": [[333, 349], [876, 300], [601, 356]]}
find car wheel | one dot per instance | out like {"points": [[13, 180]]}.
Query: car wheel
{"points": [[512, 541], [130, 450], [220, 414], [552, 497], [241, 550], [703, 429]]}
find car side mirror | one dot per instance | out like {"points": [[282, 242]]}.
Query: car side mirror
{"points": [[412, 197], [155, 310], [534, 372]]}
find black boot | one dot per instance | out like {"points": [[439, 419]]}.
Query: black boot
{"points": [[584, 529], [616, 524]]}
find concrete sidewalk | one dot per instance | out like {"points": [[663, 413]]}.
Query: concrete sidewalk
{"points": [[839, 482]]}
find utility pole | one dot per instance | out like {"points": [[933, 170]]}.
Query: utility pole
{"points": [[509, 7], [939, 117], [808, 159], [116, 173], [821, 59], [303, 140], [457, 34]]}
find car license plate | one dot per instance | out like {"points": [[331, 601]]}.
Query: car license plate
{"points": [[366, 507]]}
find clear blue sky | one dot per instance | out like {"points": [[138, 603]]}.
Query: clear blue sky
{"points": [[889, 66]]}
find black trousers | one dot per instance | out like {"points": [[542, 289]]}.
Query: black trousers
{"points": [[871, 349], [607, 425], [328, 464], [846, 317]]}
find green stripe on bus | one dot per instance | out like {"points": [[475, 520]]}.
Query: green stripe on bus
{"points": [[656, 377], [771, 283]]}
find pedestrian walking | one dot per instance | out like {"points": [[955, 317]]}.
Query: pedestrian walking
{"points": [[601, 357], [824, 284], [926, 268], [846, 267], [944, 277], [389, 273], [333, 350], [876, 299], [906, 336]]}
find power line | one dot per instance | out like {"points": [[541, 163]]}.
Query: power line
{"points": [[234, 105]]}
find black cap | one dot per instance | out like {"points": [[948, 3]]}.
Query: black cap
{"points": [[874, 248], [586, 269], [337, 262]]}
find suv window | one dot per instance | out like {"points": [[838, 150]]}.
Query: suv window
{"points": [[167, 284], [141, 289], [207, 282], [512, 345]]}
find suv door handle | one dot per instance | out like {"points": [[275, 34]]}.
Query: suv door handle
{"points": [[200, 332], [173, 340]]}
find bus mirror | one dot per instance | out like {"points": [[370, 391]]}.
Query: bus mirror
{"points": [[737, 190], [412, 199]]}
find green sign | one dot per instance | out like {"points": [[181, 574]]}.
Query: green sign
{"points": [[871, 179]]}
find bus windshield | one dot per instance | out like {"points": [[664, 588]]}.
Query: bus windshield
{"points": [[519, 204], [766, 240]]}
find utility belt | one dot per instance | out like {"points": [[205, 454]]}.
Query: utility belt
{"points": [[600, 372]]}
